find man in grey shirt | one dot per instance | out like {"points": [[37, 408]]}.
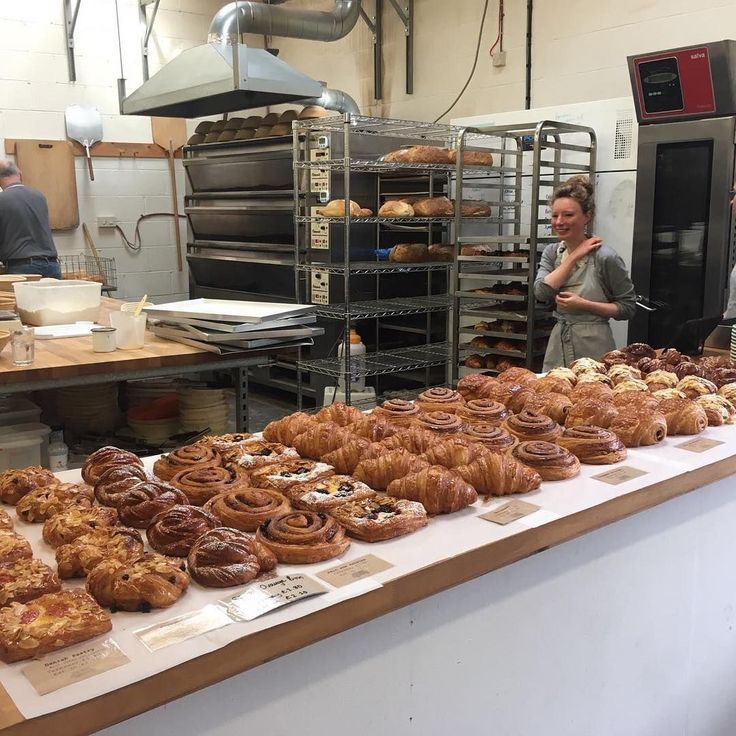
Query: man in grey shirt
{"points": [[26, 245]]}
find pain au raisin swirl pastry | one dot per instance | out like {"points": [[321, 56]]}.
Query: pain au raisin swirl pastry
{"points": [[326, 494], [346, 458], [78, 558], [45, 502], [379, 472], [186, 458], [494, 474], [591, 412], [26, 579], [438, 489], [247, 508], [483, 411], [281, 476], [223, 557], [372, 428], [718, 409], [639, 426], [14, 484], [199, 485], [66, 526], [152, 581], [339, 413], [380, 518], [493, 438], [531, 425], [107, 457], [254, 454], [174, 531], [321, 439], [555, 406], [593, 445], [303, 537], [398, 412], [453, 452], [137, 506], [683, 416], [440, 422], [287, 429], [551, 461], [117, 480], [439, 398], [415, 439]]}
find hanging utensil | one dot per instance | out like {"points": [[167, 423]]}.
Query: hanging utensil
{"points": [[84, 125]]}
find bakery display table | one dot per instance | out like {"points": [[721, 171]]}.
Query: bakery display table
{"points": [[625, 630]]}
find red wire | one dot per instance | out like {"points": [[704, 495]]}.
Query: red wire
{"points": [[500, 25]]}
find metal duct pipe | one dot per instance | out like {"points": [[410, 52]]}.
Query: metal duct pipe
{"points": [[333, 99], [273, 20]]}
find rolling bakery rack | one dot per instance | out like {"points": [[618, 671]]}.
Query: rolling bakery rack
{"points": [[508, 327]]}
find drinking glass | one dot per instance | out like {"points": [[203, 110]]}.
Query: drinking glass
{"points": [[21, 342]]}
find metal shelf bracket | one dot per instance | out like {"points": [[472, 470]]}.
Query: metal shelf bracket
{"points": [[70, 23], [406, 15], [375, 26], [148, 24]]}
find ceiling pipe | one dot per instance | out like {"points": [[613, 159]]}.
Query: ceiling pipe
{"points": [[333, 99], [273, 20]]}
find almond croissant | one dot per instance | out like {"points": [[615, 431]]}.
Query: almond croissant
{"points": [[379, 472], [439, 490], [499, 475]]}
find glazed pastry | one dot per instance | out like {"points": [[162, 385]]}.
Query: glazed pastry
{"points": [[50, 622], [641, 399], [593, 445], [222, 558], [718, 409], [199, 485], [672, 356], [346, 458], [553, 384], [372, 428], [555, 406], [630, 385], [531, 425], [248, 508], [638, 350], [152, 581], [414, 439], [476, 386], [26, 579], [66, 526], [440, 399], [499, 475], [14, 484], [438, 489], [564, 373], [647, 365], [321, 439], [174, 531], [303, 537], [13, 547], [687, 368], [483, 411], [282, 475], [668, 393], [587, 365], [286, 429], [493, 438], [454, 452], [143, 501], [380, 518], [398, 412], [592, 377], [243, 458], [694, 386], [721, 376], [339, 413], [106, 457], [620, 373], [6, 523], [584, 391], [551, 461], [591, 411], [728, 392], [615, 357], [638, 427], [658, 380], [440, 422], [45, 502], [683, 416], [185, 458], [379, 472], [325, 494], [115, 481], [78, 558]]}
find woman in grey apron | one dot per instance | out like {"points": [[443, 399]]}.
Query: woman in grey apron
{"points": [[586, 279]]}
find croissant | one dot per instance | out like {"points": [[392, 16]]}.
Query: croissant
{"points": [[380, 471], [440, 399], [593, 445], [658, 380], [454, 452], [551, 461], [414, 439], [553, 384], [321, 439], [346, 458], [398, 412], [440, 422], [339, 413], [555, 406], [436, 488], [483, 411], [518, 375], [493, 438], [531, 425], [476, 386], [683, 416], [287, 429], [591, 411], [694, 386], [718, 409], [499, 475], [372, 428], [586, 365], [591, 391], [565, 373], [513, 395], [638, 427], [641, 399]]}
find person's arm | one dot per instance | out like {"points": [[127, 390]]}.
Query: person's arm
{"points": [[558, 278], [620, 287], [571, 302], [542, 290]]}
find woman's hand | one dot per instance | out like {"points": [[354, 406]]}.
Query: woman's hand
{"points": [[571, 302], [587, 246]]}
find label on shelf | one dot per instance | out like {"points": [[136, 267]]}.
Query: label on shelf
{"points": [[320, 287], [350, 572], [619, 475], [511, 511], [319, 232], [268, 595], [700, 444]]}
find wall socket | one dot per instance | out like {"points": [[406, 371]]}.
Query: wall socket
{"points": [[499, 58], [108, 221]]}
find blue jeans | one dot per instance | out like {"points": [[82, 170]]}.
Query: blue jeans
{"points": [[37, 264]]}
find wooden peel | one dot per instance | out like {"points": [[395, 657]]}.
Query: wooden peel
{"points": [[93, 248], [171, 135]]}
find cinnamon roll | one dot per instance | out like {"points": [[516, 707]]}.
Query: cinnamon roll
{"points": [[551, 461], [106, 457], [199, 485], [439, 399], [174, 531], [483, 411], [440, 422], [14, 484], [222, 558], [45, 502], [115, 481], [531, 425], [492, 437], [326, 494], [593, 445], [138, 506], [282, 475], [186, 458], [66, 526], [399, 412], [303, 537], [78, 558], [247, 508]]}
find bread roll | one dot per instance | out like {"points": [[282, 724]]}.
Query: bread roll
{"points": [[441, 252], [313, 111], [393, 208], [245, 134], [472, 158], [408, 253], [418, 155], [281, 129], [336, 208], [234, 123], [217, 127], [434, 207], [253, 122], [226, 135], [475, 208], [212, 137], [271, 119], [196, 139], [287, 116], [203, 127]]}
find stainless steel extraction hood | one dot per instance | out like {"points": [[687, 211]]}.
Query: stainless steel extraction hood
{"points": [[216, 78]]}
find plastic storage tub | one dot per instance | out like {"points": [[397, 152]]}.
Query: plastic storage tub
{"points": [[57, 302], [18, 410], [22, 445]]}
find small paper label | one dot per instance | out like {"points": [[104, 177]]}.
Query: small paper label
{"points": [[619, 475], [511, 511], [263, 597], [184, 627], [349, 572], [74, 665], [699, 444]]}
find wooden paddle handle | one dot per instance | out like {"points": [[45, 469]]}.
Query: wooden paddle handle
{"points": [[175, 198], [93, 248]]}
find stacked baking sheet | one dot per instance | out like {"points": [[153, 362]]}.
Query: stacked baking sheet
{"points": [[226, 326]]}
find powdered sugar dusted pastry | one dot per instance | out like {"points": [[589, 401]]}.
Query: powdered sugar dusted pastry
{"points": [[45, 502], [325, 494], [13, 547], [380, 518], [26, 579], [303, 537], [143, 501], [82, 555], [281, 476], [248, 508], [115, 481], [66, 526], [718, 409]]}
